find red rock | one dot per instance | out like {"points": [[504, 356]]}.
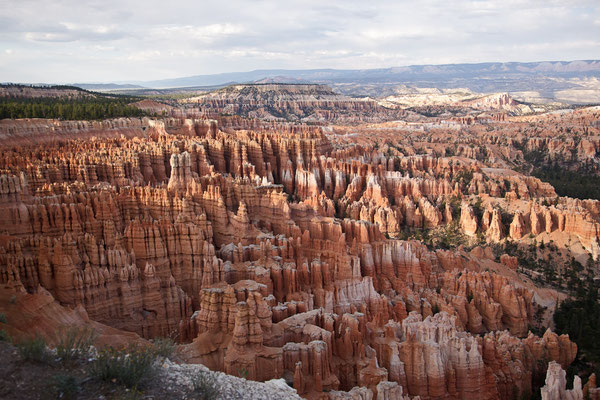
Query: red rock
{"points": [[269, 251]]}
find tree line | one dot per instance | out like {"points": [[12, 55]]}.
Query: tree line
{"points": [[579, 317], [577, 184], [69, 108]]}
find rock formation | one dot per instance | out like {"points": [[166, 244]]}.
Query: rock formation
{"points": [[556, 382], [272, 250]]}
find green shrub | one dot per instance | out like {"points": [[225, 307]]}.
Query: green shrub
{"points": [[163, 347], [129, 367], [33, 349], [65, 386], [4, 336], [205, 387], [243, 373], [465, 176], [477, 207], [75, 342]]}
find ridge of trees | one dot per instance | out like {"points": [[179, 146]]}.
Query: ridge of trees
{"points": [[577, 184], [85, 105], [65, 87], [68, 108], [579, 317]]}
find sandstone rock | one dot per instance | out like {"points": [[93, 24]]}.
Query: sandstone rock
{"points": [[468, 221], [268, 249], [555, 388]]}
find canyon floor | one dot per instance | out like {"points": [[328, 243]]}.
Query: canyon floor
{"points": [[428, 245]]}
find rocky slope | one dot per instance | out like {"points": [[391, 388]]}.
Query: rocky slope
{"points": [[293, 102], [462, 100]]}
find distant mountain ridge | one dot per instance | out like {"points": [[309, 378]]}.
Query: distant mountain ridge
{"points": [[448, 74], [106, 86]]}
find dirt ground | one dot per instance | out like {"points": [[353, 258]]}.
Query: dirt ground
{"points": [[29, 380]]}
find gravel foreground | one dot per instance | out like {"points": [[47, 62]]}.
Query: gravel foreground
{"points": [[174, 375]]}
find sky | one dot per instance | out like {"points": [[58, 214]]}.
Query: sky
{"points": [[68, 41]]}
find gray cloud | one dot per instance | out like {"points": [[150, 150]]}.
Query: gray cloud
{"points": [[121, 40], [71, 32]]}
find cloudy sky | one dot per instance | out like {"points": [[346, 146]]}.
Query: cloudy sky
{"points": [[64, 41]]}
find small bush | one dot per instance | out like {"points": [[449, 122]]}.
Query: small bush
{"points": [[65, 386], [4, 336], [129, 367], [163, 347], [75, 342], [205, 387], [33, 349], [132, 394], [3, 318], [243, 373]]}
